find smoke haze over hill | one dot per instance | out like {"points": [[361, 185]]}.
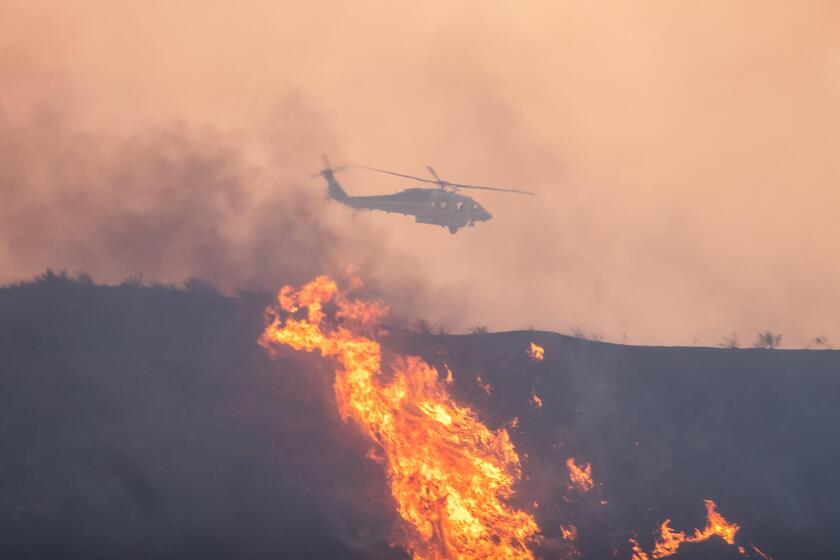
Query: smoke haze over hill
{"points": [[683, 156]]}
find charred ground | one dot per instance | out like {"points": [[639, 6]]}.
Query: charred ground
{"points": [[145, 422]]}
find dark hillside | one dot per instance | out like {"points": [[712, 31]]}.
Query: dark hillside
{"points": [[145, 422], [665, 428]]}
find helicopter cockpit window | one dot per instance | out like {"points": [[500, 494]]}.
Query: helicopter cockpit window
{"points": [[475, 206]]}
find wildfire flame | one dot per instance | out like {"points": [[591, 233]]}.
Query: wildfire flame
{"points": [[485, 387], [669, 541], [580, 476], [536, 352], [450, 475], [568, 532], [638, 553]]}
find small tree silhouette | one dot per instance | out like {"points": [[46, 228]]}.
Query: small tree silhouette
{"points": [[49, 276], [768, 339], [197, 285], [479, 329], [133, 281], [84, 279], [730, 341], [577, 332], [422, 326], [822, 342]]}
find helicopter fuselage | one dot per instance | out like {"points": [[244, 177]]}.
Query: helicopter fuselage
{"points": [[428, 206], [436, 206]]}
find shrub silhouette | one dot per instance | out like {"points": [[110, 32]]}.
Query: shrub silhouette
{"points": [[768, 339], [730, 341], [196, 285]]}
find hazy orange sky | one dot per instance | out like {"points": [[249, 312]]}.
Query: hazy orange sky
{"points": [[684, 153]]}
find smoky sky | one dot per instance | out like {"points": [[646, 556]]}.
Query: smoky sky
{"points": [[684, 156], [167, 202]]}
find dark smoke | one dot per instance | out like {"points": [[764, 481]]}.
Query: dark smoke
{"points": [[173, 200], [167, 202], [177, 201]]}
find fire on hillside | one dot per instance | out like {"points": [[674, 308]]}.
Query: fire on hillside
{"points": [[452, 477]]}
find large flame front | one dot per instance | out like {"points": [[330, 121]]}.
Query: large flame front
{"points": [[451, 476]]}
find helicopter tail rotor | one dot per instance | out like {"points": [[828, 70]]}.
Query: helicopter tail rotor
{"points": [[327, 170]]}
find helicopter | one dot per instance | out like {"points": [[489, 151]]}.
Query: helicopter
{"points": [[442, 206]]}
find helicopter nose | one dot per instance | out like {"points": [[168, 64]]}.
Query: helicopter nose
{"points": [[487, 215]]}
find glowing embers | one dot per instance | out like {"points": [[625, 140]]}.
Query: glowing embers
{"points": [[580, 476], [485, 387], [568, 532], [536, 352], [449, 474]]}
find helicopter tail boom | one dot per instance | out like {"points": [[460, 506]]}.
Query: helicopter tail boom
{"points": [[334, 190]]}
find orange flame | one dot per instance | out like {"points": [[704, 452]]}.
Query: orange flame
{"points": [[486, 387], [668, 541], [638, 553], [715, 525], [569, 532], [536, 352], [580, 476], [450, 475], [536, 400]]}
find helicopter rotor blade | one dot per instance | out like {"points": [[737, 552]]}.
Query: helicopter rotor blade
{"points": [[398, 174], [435, 175], [444, 183], [441, 183], [498, 189]]}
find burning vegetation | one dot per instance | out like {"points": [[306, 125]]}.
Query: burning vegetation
{"points": [[536, 352], [451, 476], [669, 541], [580, 476], [569, 532]]}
